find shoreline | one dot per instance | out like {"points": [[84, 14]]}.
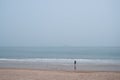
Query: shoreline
{"points": [[53, 70], [35, 74], [61, 64]]}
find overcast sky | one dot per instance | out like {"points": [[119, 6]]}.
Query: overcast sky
{"points": [[60, 23]]}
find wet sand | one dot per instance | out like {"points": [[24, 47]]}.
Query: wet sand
{"points": [[27, 74]]}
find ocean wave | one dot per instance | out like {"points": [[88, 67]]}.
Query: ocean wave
{"points": [[96, 61]]}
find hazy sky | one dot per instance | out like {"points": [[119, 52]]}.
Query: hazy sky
{"points": [[59, 22]]}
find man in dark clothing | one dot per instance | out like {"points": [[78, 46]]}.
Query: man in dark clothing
{"points": [[75, 64]]}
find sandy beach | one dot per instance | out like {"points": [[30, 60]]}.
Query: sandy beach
{"points": [[25, 74]]}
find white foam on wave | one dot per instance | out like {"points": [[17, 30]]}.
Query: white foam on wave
{"points": [[34, 59], [94, 61]]}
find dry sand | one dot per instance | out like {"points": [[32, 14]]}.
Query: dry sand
{"points": [[25, 74]]}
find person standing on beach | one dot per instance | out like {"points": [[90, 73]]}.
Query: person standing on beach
{"points": [[75, 64]]}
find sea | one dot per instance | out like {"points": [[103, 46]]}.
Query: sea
{"points": [[61, 58]]}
